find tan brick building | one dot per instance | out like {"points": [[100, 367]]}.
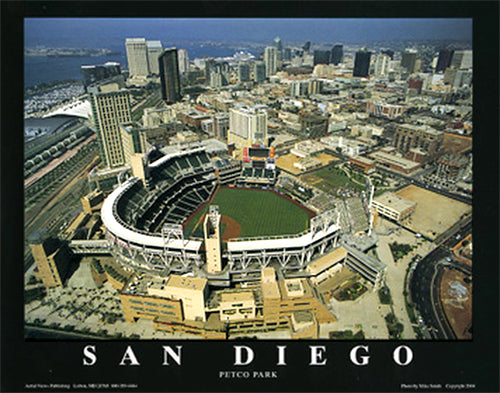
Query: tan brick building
{"points": [[409, 136], [51, 258]]}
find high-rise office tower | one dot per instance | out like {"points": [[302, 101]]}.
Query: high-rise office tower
{"points": [[155, 49], [278, 44], [95, 73], [219, 73], [362, 63], [271, 60], [462, 59], [247, 126], [208, 66], [382, 65], [137, 57], [337, 55], [388, 52], [299, 88], [221, 125], [183, 58], [133, 140], [315, 86], [444, 59], [408, 60], [169, 76], [110, 108], [243, 72], [321, 57], [307, 46], [226, 72], [259, 71], [287, 54]]}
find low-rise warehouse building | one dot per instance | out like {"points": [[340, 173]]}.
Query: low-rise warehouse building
{"points": [[390, 161], [363, 164], [393, 206]]}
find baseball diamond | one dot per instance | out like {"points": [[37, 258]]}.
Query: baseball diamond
{"points": [[257, 212]]}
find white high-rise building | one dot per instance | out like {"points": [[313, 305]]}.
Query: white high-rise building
{"points": [[247, 125], [382, 65], [183, 58], [299, 88], [110, 109], [462, 59], [155, 49], [271, 60], [137, 57]]}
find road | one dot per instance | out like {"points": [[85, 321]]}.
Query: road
{"points": [[425, 281], [418, 183], [57, 211]]}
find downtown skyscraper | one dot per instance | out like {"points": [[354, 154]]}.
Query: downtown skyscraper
{"points": [[337, 55], [137, 57], [155, 49], [271, 60], [183, 59], [362, 63], [444, 59], [169, 76], [111, 108]]}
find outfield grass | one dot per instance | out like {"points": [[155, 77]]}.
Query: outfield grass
{"points": [[335, 178], [259, 213]]}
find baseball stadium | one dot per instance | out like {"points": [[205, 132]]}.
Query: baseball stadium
{"points": [[162, 219]]}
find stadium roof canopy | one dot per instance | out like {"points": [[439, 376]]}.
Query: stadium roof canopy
{"points": [[48, 124], [76, 108], [280, 242]]}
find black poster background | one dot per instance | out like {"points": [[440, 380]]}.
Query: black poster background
{"points": [[437, 362]]}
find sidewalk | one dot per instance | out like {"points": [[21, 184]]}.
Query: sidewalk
{"points": [[395, 280]]}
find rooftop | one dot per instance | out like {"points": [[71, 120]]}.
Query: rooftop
{"points": [[249, 109], [392, 159], [421, 128], [362, 159], [230, 297], [326, 261], [394, 201], [269, 284], [294, 287], [303, 316], [194, 283], [135, 40], [154, 44]]}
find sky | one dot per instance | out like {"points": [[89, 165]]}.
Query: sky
{"points": [[87, 31]]}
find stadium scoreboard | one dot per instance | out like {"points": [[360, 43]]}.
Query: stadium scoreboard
{"points": [[259, 156]]}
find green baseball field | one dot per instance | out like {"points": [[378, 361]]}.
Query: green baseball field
{"points": [[247, 213]]}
